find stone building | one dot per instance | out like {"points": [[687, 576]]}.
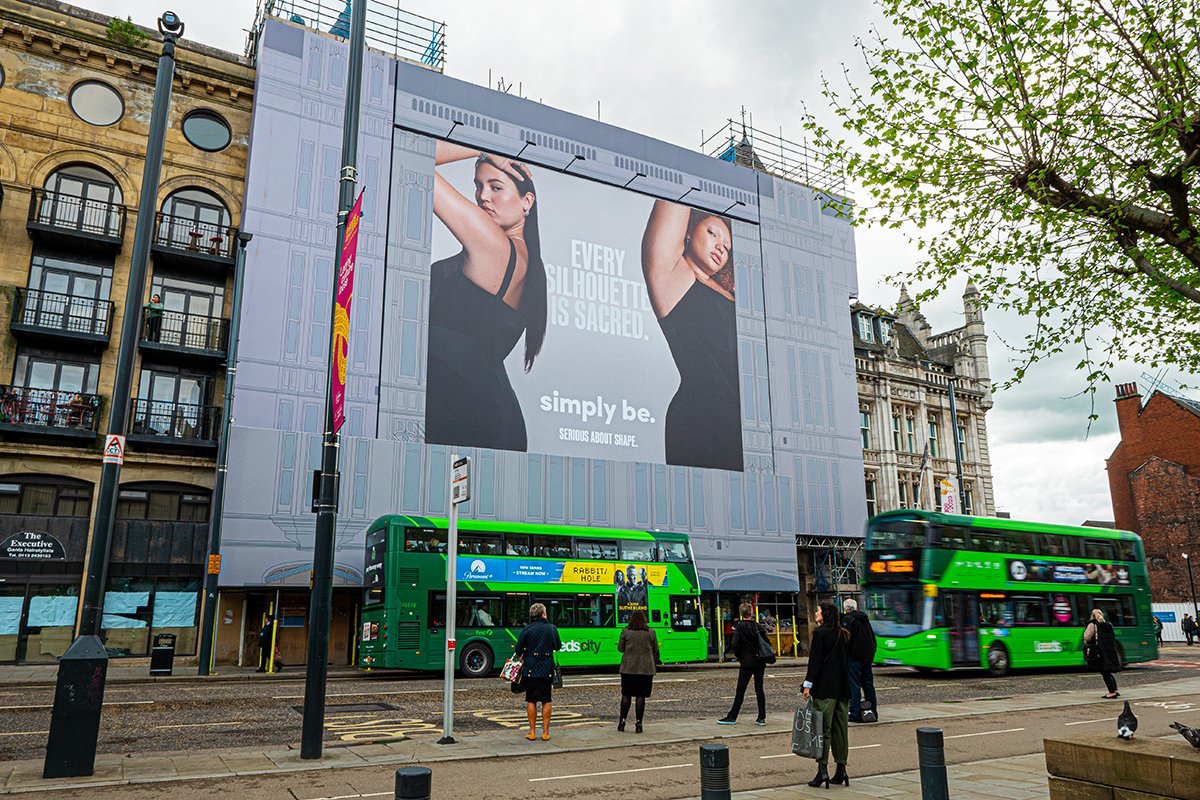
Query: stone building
{"points": [[908, 434], [76, 92], [1154, 480]]}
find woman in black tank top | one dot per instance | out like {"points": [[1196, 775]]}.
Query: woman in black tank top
{"points": [[687, 258], [481, 301]]}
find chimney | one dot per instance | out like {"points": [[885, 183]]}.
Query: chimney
{"points": [[1129, 406]]}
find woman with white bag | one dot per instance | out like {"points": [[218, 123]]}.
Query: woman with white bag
{"points": [[828, 684]]}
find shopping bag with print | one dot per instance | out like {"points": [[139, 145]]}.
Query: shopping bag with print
{"points": [[806, 731]]}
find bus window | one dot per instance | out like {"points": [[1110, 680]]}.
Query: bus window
{"points": [[516, 544], [897, 535], [685, 613], [477, 612], [1028, 610], [424, 540], [895, 611], [1127, 550], [1117, 609], [479, 544], [673, 551], [595, 611], [516, 610], [551, 547], [1098, 548], [953, 537], [1018, 542], [637, 551], [1052, 544], [560, 609], [993, 610], [596, 548], [988, 542]]}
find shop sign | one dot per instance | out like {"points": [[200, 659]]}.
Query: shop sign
{"points": [[32, 546]]}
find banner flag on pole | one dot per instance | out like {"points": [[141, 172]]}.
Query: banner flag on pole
{"points": [[341, 318], [949, 490]]}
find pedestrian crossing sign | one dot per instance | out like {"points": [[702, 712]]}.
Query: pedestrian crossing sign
{"points": [[114, 449]]}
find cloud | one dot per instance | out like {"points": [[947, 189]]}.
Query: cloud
{"points": [[1060, 480]]}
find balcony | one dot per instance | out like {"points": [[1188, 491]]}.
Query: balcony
{"points": [[62, 318], [191, 244], [39, 413], [187, 337], [76, 221], [181, 427]]}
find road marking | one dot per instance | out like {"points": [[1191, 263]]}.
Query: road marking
{"points": [[613, 772], [1091, 721], [985, 733], [355, 796], [113, 703], [1182, 711], [672, 700], [855, 747], [200, 724], [24, 733], [356, 694]]}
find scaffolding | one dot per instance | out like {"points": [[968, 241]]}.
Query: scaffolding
{"points": [[836, 565], [742, 143], [390, 29]]}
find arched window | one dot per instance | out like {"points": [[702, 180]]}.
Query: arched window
{"points": [[197, 220], [83, 197], [45, 495], [172, 502]]}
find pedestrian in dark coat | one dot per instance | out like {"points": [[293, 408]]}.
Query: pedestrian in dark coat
{"points": [[862, 655], [1100, 650], [537, 645], [265, 634], [828, 684], [750, 665], [638, 647]]}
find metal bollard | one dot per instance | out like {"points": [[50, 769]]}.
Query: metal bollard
{"points": [[714, 772], [931, 755], [413, 783]]}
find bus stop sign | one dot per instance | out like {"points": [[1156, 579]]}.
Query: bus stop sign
{"points": [[460, 480]]}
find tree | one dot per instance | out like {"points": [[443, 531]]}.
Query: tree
{"points": [[126, 33], [1046, 150]]}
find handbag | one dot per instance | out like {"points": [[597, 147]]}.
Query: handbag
{"points": [[807, 730], [766, 653], [556, 674], [511, 670]]}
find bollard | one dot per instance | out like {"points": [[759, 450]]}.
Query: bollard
{"points": [[931, 755], [413, 783], [714, 772]]}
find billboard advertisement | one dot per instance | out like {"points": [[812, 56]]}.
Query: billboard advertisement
{"points": [[568, 317]]}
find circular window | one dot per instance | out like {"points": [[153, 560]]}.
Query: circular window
{"points": [[1, 76], [97, 103], [207, 131]]}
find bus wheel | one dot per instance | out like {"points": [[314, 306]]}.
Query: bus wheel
{"points": [[924, 670], [998, 661], [476, 661]]}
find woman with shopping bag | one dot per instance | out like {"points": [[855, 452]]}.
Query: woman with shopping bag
{"points": [[828, 685], [536, 647]]}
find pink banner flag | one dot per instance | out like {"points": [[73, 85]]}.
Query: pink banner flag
{"points": [[341, 316]]}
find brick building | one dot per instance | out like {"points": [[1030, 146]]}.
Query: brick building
{"points": [[1154, 480]]}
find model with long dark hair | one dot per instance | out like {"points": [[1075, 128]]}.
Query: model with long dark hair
{"points": [[687, 259], [481, 301]]}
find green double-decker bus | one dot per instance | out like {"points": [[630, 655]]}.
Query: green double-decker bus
{"points": [[590, 580], [945, 591]]}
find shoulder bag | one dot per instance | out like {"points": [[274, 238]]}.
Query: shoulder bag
{"points": [[766, 653], [556, 674]]}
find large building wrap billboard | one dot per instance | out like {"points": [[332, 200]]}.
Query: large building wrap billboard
{"points": [[621, 332]]}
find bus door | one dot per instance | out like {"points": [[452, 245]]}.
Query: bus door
{"points": [[962, 623]]}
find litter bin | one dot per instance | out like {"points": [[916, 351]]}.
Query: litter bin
{"points": [[162, 655]]}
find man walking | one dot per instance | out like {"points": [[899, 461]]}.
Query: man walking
{"points": [[863, 706], [1189, 628], [1158, 626]]}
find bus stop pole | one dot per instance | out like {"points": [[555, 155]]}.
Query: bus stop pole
{"points": [[451, 607]]}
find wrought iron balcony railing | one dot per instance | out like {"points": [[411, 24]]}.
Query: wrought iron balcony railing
{"points": [[62, 313], [191, 331], [74, 214], [189, 235], [48, 408], [184, 422]]}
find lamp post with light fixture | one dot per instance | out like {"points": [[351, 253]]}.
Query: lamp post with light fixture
{"points": [[79, 693]]}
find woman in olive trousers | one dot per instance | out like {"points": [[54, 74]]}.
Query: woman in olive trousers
{"points": [[828, 684]]}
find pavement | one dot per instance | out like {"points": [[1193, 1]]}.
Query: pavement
{"points": [[1017, 778]]}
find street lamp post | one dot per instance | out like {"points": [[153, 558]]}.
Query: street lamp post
{"points": [[79, 695]]}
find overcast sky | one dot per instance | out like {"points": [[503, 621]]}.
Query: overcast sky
{"points": [[673, 69]]}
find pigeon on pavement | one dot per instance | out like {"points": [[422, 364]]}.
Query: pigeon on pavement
{"points": [[1191, 734], [1126, 723]]}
